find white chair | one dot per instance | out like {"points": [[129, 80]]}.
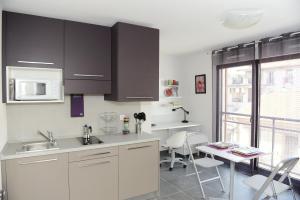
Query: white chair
{"points": [[177, 140], [267, 186], [205, 162]]}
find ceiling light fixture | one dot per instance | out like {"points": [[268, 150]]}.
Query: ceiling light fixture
{"points": [[241, 19]]}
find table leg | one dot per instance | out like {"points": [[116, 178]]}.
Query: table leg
{"points": [[232, 169]]}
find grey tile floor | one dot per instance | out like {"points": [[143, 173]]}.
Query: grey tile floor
{"points": [[180, 185]]}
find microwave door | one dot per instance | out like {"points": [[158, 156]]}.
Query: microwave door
{"points": [[31, 90], [26, 90]]}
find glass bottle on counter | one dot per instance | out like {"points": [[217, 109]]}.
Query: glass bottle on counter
{"points": [[126, 125]]}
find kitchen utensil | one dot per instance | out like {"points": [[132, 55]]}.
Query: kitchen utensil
{"points": [[140, 118]]}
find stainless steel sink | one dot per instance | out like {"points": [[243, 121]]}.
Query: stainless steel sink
{"points": [[37, 146]]}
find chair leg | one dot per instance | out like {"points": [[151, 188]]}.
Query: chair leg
{"points": [[172, 159], [220, 178], [294, 195], [274, 191], [182, 162], [292, 187], [165, 161], [199, 180]]}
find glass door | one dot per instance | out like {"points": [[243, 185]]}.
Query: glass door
{"points": [[279, 120], [235, 108]]}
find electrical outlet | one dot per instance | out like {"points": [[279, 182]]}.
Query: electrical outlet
{"points": [[122, 116]]}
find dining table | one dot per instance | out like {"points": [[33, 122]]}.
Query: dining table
{"points": [[228, 154]]}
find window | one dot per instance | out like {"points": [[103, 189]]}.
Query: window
{"points": [[289, 76], [236, 107], [278, 115], [269, 78]]}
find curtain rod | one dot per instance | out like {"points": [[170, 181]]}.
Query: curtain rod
{"points": [[269, 39]]}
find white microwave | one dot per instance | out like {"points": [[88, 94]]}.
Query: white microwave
{"points": [[35, 90]]}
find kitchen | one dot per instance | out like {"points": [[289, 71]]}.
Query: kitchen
{"points": [[42, 54], [93, 92], [67, 84]]}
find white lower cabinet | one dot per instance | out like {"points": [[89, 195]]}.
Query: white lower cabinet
{"points": [[113, 173], [138, 169], [38, 178], [95, 179]]}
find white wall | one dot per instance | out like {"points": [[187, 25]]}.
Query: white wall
{"points": [[199, 105], [161, 111], [3, 133]]}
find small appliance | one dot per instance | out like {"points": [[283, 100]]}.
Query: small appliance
{"points": [[35, 90]]}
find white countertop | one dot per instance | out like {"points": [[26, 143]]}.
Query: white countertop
{"points": [[73, 144], [173, 125]]}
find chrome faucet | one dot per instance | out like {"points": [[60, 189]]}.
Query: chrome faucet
{"points": [[50, 138]]}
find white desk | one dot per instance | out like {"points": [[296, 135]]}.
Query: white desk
{"points": [[164, 131], [173, 125], [232, 158]]}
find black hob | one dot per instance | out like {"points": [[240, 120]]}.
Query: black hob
{"points": [[91, 140]]}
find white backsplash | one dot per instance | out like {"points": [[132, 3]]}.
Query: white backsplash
{"points": [[24, 120]]}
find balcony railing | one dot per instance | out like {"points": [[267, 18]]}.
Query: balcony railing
{"points": [[275, 125]]}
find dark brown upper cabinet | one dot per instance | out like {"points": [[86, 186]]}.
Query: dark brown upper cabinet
{"points": [[87, 58], [135, 63], [32, 41]]}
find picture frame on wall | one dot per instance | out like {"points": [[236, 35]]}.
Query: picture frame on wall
{"points": [[200, 84]]}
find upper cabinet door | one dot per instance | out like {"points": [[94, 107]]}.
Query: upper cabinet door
{"points": [[32, 41], [135, 61], [87, 51]]}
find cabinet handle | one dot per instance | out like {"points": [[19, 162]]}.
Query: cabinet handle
{"points": [[139, 97], [97, 154], [92, 164], [89, 75], [141, 147], [34, 62], [38, 161]]}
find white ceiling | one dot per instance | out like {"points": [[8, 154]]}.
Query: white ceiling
{"points": [[185, 25]]}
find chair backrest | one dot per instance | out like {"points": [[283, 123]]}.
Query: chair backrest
{"points": [[177, 140], [285, 167]]}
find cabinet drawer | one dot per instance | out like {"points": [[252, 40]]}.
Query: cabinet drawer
{"points": [[138, 169], [142, 146], [93, 154], [94, 179], [36, 178], [87, 87]]}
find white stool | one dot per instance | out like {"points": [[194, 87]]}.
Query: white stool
{"points": [[174, 142]]}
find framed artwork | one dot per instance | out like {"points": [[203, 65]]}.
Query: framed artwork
{"points": [[200, 84]]}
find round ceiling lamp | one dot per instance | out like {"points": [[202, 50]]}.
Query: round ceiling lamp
{"points": [[241, 19]]}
